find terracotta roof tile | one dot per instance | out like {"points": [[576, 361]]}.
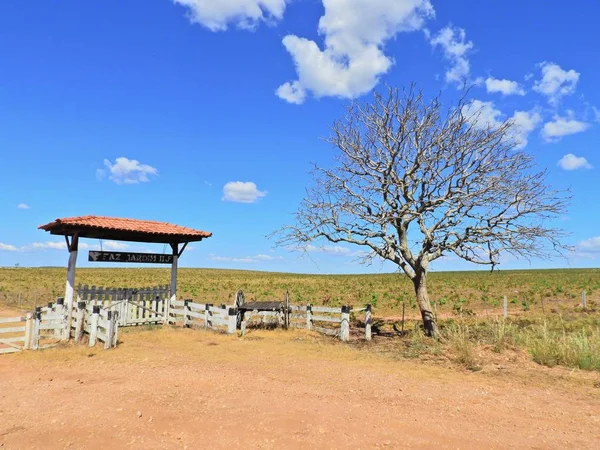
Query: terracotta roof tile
{"points": [[116, 224]]}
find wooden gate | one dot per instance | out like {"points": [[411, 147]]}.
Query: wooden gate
{"points": [[13, 336], [134, 306]]}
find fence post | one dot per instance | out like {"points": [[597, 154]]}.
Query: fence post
{"points": [[505, 307], [345, 325], [308, 317], [80, 325], [232, 320], [287, 310], [28, 330], [584, 300], [368, 322], [207, 315], [109, 330], [37, 318], [58, 310], [94, 325], [186, 310], [115, 329]]}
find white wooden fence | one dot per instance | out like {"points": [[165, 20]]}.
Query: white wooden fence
{"points": [[46, 327], [189, 314], [333, 321], [134, 306], [100, 312]]}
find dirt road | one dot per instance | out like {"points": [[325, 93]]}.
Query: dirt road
{"points": [[177, 388]]}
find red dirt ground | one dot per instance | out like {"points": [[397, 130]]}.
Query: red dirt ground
{"points": [[181, 388]]}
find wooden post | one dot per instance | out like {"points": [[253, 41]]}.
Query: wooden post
{"points": [[403, 306], [59, 310], [110, 330], [70, 285], [37, 319], [186, 310], [368, 322], [584, 300], [80, 321], [115, 329], [127, 296], [94, 325], [505, 307], [308, 317], [28, 331], [345, 325], [173, 298], [207, 315], [232, 321], [286, 322]]}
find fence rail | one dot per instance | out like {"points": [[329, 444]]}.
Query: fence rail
{"points": [[99, 312]]}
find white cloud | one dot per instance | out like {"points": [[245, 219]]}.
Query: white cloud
{"points": [[127, 171], [562, 126], [455, 47], [246, 260], [556, 82], [524, 122], [292, 92], [113, 245], [242, 192], [23, 206], [482, 114], [217, 15], [352, 59], [485, 114], [572, 162], [8, 248], [48, 245], [505, 87], [591, 245], [263, 257], [329, 249]]}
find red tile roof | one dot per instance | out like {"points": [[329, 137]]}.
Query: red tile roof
{"points": [[120, 229]]}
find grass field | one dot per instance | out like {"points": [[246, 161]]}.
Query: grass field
{"points": [[546, 320], [452, 292]]}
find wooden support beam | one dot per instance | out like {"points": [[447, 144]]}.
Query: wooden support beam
{"points": [[70, 285], [175, 248], [182, 249]]}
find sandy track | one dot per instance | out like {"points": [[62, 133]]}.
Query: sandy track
{"points": [[198, 389]]}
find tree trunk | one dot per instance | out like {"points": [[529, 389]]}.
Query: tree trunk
{"points": [[429, 324]]}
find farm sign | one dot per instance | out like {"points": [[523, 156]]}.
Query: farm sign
{"points": [[130, 257]]}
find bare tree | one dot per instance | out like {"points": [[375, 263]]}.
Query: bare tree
{"points": [[414, 183]]}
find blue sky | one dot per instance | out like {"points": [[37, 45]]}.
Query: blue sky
{"points": [[208, 114]]}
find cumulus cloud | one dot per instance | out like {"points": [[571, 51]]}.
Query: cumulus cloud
{"points": [[591, 245], [524, 122], [126, 171], [485, 114], [556, 82], [504, 87], [8, 248], [23, 206], [572, 162], [242, 192], [562, 126], [352, 58], [456, 48], [246, 14]]}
